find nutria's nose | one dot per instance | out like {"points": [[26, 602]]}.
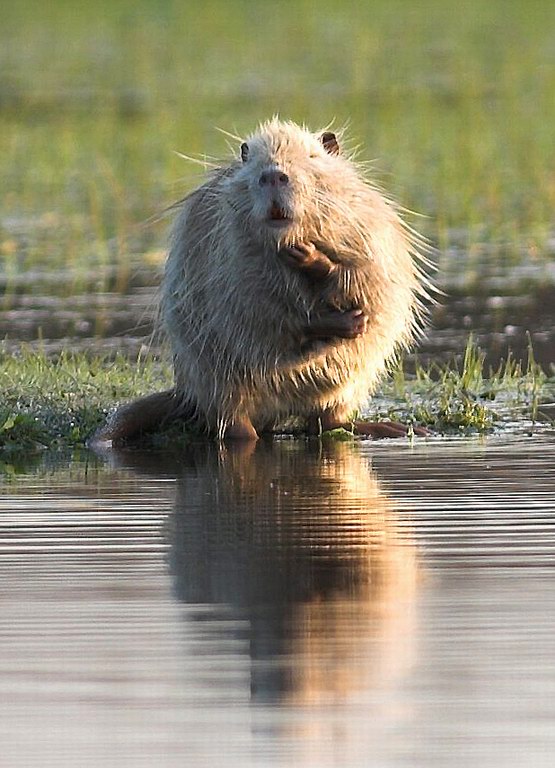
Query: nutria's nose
{"points": [[275, 178]]}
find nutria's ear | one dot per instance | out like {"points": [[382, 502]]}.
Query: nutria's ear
{"points": [[329, 141], [244, 151]]}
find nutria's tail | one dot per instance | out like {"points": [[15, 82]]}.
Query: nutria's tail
{"points": [[141, 415]]}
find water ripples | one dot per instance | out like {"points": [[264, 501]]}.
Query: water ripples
{"points": [[374, 604]]}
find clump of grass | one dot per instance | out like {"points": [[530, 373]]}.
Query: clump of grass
{"points": [[465, 397], [61, 402], [339, 435], [21, 431]]}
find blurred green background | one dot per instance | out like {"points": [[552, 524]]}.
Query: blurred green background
{"points": [[455, 102]]}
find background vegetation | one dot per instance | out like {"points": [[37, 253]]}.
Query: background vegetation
{"points": [[454, 100]]}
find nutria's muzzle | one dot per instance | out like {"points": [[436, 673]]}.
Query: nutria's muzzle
{"points": [[278, 217], [278, 213], [273, 178]]}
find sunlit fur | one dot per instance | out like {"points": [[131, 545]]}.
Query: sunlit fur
{"points": [[235, 312]]}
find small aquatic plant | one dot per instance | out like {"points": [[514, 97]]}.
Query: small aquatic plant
{"points": [[464, 396]]}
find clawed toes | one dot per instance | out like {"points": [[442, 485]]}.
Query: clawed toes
{"points": [[297, 254]]}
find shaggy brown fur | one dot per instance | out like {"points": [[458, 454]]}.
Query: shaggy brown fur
{"points": [[291, 283]]}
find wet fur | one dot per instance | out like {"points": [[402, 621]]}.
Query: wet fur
{"points": [[236, 313]]}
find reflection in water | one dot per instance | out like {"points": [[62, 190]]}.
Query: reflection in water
{"points": [[267, 608], [299, 541], [305, 544]]}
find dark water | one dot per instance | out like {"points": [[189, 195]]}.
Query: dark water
{"points": [[369, 604], [505, 303]]}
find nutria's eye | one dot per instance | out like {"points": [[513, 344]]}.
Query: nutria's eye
{"points": [[329, 142], [244, 152]]}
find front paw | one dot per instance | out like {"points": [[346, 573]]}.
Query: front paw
{"points": [[299, 255], [308, 259], [337, 324], [349, 325]]}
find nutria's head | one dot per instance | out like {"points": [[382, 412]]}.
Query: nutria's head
{"points": [[283, 174]]}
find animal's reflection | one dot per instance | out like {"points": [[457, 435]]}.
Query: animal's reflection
{"points": [[300, 541]]}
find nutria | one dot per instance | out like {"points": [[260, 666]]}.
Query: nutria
{"points": [[290, 284]]}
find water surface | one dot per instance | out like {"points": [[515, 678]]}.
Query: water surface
{"points": [[368, 604], [504, 300]]}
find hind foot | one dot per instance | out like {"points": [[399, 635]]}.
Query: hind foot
{"points": [[380, 429], [242, 429], [327, 420]]}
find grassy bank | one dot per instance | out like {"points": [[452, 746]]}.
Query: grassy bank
{"points": [[453, 99], [59, 403]]}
